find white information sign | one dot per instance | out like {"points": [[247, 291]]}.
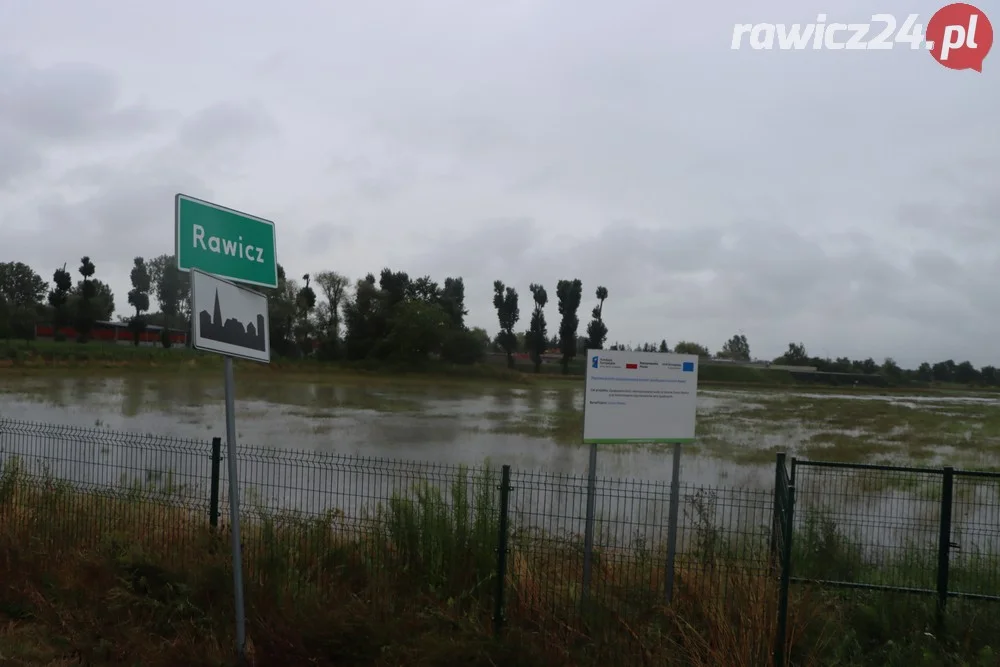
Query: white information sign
{"points": [[228, 319], [639, 397]]}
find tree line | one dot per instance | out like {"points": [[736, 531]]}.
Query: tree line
{"points": [[391, 317]]}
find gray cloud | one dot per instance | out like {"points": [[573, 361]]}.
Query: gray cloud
{"points": [[224, 126], [847, 200], [45, 107], [19, 156], [66, 102]]}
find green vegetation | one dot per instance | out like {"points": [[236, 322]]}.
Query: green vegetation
{"points": [[126, 577], [864, 428], [823, 552], [138, 297], [40, 353], [751, 427], [396, 320]]}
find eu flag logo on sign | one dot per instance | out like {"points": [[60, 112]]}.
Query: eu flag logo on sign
{"points": [[688, 367], [593, 362]]}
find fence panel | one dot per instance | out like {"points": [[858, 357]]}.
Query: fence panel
{"points": [[309, 515], [545, 561], [780, 557], [867, 526], [81, 487], [975, 558], [721, 531]]}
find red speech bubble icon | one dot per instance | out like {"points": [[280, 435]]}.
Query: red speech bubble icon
{"points": [[961, 35]]}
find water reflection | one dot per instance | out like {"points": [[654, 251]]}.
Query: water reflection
{"points": [[132, 395], [534, 427]]}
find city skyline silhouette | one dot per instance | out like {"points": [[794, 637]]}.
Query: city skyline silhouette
{"points": [[231, 331]]}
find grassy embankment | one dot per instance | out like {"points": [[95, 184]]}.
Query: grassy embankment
{"points": [[116, 578], [36, 356], [69, 354]]}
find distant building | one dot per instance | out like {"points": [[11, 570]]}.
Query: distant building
{"points": [[114, 332]]}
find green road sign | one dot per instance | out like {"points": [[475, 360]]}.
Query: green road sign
{"points": [[224, 242]]}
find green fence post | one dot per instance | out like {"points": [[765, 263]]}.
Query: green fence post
{"points": [[498, 599], [213, 503], [944, 544], [779, 472], [786, 575]]}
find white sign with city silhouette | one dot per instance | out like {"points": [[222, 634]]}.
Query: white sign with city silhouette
{"points": [[228, 319]]}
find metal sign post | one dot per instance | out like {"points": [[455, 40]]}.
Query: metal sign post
{"points": [[234, 510], [672, 512], [641, 398], [233, 321], [588, 531], [229, 320]]}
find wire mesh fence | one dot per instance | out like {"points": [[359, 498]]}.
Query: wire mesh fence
{"points": [[312, 519], [64, 487], [922, 530], [975, 558]]}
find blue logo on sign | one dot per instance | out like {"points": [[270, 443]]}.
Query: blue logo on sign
{"points": [[593, 362], [688, 367]]}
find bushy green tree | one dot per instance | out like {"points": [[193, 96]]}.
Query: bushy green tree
{"points": [[58, 297], [465, 346], [85, 311], [569, 294], [688, 347], [172, 288], [102, 303], [305, 303], [736, 348], [796, 355], [334, 288], [597, 331], [138, 297], [538, 331], [452, 300], [508, 313], [363, 319], [22, 292], [417, 328]]}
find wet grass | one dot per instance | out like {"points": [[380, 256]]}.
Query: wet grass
{"points": [[843, 447], [753, 427], [824, 551], [113, 578], [852, 430]]}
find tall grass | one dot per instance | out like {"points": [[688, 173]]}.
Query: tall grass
{"points": [[119, 576]]}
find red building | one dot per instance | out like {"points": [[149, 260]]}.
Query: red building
{"points": [[114, 332]]}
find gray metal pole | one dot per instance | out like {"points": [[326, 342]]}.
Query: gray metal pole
{"points": [[675, 502], [234, 512], [588, 531]]}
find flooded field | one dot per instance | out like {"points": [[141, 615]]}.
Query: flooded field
{"points": [[537, 428], [728, 474]]}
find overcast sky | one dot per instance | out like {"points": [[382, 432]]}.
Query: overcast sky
{"points": [[845, 199]]}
